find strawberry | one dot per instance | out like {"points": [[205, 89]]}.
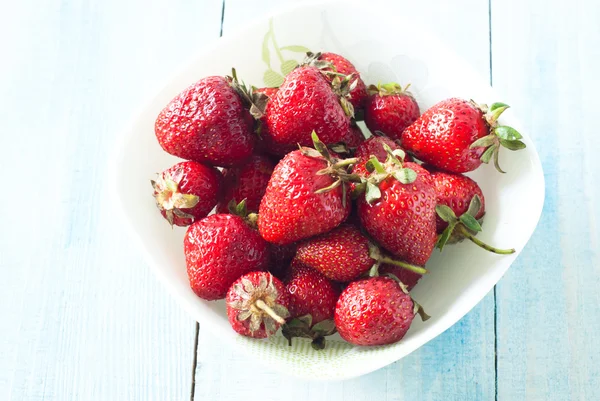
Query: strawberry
{"points": [[343, 254], [312, 305], [280, 259], [374, 147], [207, 123], [357, 95], [354, 137], [257, 305], [390, 109], [310, 293], [398, 209], [458, 195], [269, 92], [375, 311], [248, 181], [306, 196], [407, 277], [219, 249], [187, 191], [304, 103], [456, 135]]}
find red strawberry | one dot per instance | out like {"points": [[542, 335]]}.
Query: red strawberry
{"points": [[341, 65], [457, 135], [248, 181], [374, 311], [374, 147], [311, 293], [407, 277], [456, 192], [306, 196], [460, 208], [207, 123], [343, 254], [390, 109], [280, 259], [187, 191], [305, 103], [257, 305], [219, 249], [269, 92], [354, 137], [398, 210]]}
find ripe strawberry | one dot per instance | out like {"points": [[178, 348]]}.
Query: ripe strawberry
{"points": [[207, 123], [390, 109], [407, 277], [374, 147], [456, 192], [187, 191], [305, 103], [374, 311], [219, 249], [269, 92], [456, 135], [257, 305], [306, 196], [398, 210], [460, 208], [248, 181], [343, 254], [280, 258], [310, 293], [358, 94], [354, 137]]}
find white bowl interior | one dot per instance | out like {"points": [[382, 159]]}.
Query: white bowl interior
{"points": [[460, 277]]}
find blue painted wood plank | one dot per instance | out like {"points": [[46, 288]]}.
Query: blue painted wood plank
{"points": [[459, 365], [546, 61], [82, 317]]}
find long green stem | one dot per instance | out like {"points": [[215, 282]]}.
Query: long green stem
{"points": [[404, 265], [482, 244]]}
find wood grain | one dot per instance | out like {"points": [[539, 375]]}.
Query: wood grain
{"points": [[82, 318], [459, 365], [546, 64]]}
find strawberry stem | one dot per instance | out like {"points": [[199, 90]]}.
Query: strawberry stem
{"points": [[482, 244], [404, 265], [267, 309]]}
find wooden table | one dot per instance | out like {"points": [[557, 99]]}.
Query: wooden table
{"points": [[81, 316]]}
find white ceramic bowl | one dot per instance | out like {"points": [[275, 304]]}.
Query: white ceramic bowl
{"points": [[459, 279]]}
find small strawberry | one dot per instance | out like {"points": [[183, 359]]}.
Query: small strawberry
{"points": [[280, 258], [398, 209], [305, 103], [312, 305], [458, 195], [375, 311], [390, 109], [248, 181], [306, 196], [187, 191], [407, 277], [343, 254], [338, 64], [207, 123], [219, 249], [257, 305], [456, 135], [374, 147]]}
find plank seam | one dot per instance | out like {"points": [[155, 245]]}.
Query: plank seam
{"points": [[195, 363]]}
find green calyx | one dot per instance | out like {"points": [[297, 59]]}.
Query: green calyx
{"points": [[389, 89], [500, 135], [336, 168], [241, 210], [255, 102], [170, 199], [417, 308], [302, 327], [465, 226], [379, 172]]}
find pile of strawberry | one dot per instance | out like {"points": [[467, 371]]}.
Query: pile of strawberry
{"points": [[318, 229]]}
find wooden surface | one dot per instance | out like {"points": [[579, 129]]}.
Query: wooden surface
{"points": [[81, 316]]}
